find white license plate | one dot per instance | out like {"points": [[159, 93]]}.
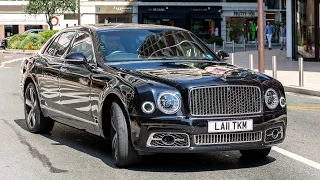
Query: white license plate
{"points": [[230, 126]]}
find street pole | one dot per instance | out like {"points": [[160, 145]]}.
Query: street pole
{"points": [[79, 15], [261, 36]]}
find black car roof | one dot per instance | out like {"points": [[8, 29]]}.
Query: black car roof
{"points": [[122, 26]]}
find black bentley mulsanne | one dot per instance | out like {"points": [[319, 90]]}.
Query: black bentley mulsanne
{"points": [[151, 89]]}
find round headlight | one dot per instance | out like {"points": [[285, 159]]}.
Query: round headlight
{"points": [[169, 102], [271, 98], [148, 107]]}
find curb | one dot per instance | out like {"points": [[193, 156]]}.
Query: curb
{"points": [[302, 90], [18, 52]]}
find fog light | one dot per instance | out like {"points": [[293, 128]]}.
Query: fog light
{"points": [[148, 107], [274, 133], [168, 139]]}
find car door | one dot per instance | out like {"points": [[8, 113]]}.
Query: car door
{"points": [[75, 84], [51, 63]]}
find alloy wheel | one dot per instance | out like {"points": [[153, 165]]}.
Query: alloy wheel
{"points": [[114, 139], [31, 109]]}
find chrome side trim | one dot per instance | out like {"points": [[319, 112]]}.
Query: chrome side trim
{"points": [[68, 115]]}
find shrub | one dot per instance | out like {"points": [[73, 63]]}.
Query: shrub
{"points": [[28, 46], [217, 40], [23, 41], [47, 34], [12, 44], [34, 38], [15, 45]]}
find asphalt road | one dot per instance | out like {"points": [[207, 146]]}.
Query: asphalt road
{"points": [[68, 153]]}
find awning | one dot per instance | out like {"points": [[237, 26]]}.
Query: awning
{"points": [[161, 16], [205, 16]]}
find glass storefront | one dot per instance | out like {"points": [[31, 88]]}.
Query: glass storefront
{"points": [[240, 29], [306, 38], [205, 28], [116, 18], [10, 30], [203, 21], [113, 14]]}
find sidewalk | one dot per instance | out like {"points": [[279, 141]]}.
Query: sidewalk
{"points": [[288, 71]]}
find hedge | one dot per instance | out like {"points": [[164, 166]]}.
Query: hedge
{"points": [[16, 38], [30, 41], [217, 40]]}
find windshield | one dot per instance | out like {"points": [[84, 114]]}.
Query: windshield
{"points": [[146, 44]]}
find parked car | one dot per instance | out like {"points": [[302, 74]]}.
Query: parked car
{"points": [[4, 41], [151, 89]]}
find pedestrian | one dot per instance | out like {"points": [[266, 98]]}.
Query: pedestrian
{"points": [[269, 30], [253, 31], [283, 35], [210, 31], [216, 32]]}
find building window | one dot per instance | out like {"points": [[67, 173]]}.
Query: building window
{"points": [[272, 4], [116, 18], [70, 16], [305, 30]]}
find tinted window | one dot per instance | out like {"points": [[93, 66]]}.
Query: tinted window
{"points": [[147, 44], [83, 44], [63, 43], [52, 48]]}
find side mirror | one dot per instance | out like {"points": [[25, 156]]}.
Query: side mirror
{"points": [[76, 58]]}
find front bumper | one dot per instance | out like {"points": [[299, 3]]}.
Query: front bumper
{"points": [[193, 127]]}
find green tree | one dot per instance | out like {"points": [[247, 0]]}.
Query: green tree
{"points": [[50, 8]]}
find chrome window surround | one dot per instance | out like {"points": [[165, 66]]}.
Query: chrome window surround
{"points": [[195, 88]]}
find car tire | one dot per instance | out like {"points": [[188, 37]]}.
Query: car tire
{"points": [[36, 122], [123, 152], [255, 153]]}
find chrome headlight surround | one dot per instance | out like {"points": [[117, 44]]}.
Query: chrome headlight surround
{"points": [[271, 99], [148, 107], [169, 102]]}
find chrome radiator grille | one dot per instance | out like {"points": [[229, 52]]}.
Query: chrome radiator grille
{"points": [[227, 138], [225, 100]]}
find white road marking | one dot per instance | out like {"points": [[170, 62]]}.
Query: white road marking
{"points": [[11, 61], [297, 157]]}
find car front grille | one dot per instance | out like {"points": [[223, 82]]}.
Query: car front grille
{"points": [[227, 138], [225, 100]]}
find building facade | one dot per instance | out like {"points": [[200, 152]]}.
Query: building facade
{"points": [[229, 19], [13, 20]]}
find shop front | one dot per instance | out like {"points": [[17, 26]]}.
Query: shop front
{"points": [[13, 20], [241, 25], [306, 29], [200, 20], [113, 14]]}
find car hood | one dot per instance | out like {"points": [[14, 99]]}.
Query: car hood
{"points": [[191, 73]]}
